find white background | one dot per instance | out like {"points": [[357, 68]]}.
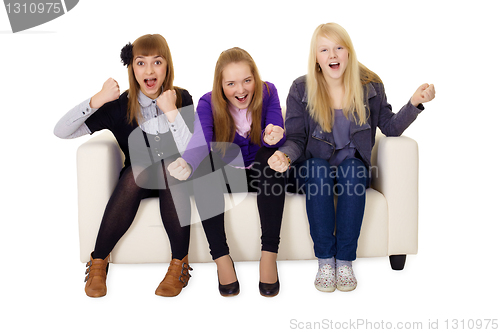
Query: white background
{"points": [[50, 68]]}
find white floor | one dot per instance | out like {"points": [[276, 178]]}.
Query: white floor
{"points": [[50, 295]]}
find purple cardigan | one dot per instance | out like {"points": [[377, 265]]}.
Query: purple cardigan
{"points": [[271, 114]]}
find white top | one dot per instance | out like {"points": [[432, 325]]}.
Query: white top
{"points": [[153, 121]]}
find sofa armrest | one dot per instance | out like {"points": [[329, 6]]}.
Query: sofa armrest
{"points": [[99, 161], [395, 175]]}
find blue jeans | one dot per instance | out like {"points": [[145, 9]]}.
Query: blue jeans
{"points": [[334, 235]]}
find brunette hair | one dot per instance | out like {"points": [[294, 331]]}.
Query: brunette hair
{"points": [[355, 76], [224, 126], [149, 45]]}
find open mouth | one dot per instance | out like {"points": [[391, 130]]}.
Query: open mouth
{"points": [[242, 99], [150, 83], [334, 65]]}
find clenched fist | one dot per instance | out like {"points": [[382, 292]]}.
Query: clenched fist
{"points": [[278, 161], [424, 93], [273, 134], [179, 169], [109, 92], [166, 103]]}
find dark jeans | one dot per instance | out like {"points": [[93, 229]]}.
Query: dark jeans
{"points": [[210, 186], [335, 233]]}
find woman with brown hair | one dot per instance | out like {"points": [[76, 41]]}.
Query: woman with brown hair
{"points": [[241, 115], [151, 107]]}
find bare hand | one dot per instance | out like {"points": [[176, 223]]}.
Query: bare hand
{"points": [[273, 134], [179, 169], [278, 162], [166, 101], [109, 92], [424, 93]]}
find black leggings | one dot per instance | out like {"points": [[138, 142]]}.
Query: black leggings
{"points": [[209, 195], [124, 203]]}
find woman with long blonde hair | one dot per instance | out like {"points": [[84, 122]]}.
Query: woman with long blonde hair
{"points": [[332, 116], [150, 107], [241, 115]]}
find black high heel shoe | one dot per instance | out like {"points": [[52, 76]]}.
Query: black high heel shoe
{"points": [[270, 289], [232, 289]]}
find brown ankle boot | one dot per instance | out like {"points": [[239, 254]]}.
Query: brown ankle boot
{"points": [[177, 277], [96, 277]]}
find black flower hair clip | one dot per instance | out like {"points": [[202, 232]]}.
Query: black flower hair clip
{"points": [[127, 54]]}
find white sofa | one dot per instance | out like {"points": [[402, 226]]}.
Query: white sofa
{"points": [[389, 226]]}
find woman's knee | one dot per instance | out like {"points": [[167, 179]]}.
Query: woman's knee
{"points": [[352, 170], [316, 170], [353, 161], [313, 177]]}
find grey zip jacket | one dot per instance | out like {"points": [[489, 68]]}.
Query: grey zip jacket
{"points": [[306, 139]]}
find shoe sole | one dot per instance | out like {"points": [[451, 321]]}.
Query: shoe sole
{"points": [[230, 295], [345, 289], [326, 290]]}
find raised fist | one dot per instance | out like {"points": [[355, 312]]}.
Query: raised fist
{"points": [[424, 93], [109, 92], [273, 134], [278, 162], [166, 101]]}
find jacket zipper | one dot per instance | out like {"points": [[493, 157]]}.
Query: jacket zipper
{"points": [[331, 144]]}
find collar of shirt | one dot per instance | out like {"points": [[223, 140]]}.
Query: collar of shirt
{"points": [[242, 120], [152, 121], [145, 101]]}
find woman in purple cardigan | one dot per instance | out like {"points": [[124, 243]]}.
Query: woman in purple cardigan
{"points": [[241, 120]]}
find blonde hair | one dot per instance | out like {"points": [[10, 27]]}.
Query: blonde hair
{"points": [[224, 126], [355, 76], [149, 45]]}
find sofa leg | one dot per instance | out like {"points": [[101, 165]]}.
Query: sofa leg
{"points": [[398, 261]]}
